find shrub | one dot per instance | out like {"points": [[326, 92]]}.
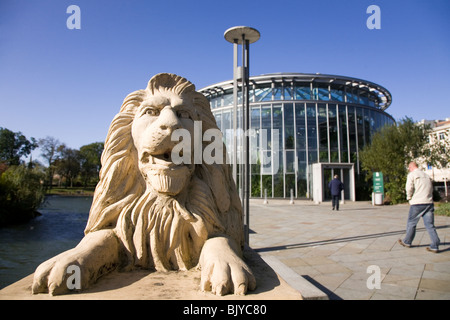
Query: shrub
{"points": [[21, 194]]}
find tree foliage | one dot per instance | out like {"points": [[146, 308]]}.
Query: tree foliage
{"points": [[391, 150], [21, 193], [22, 188], [67, 165], [14, 145], [50, 151], [90, 156], [71, 165]]}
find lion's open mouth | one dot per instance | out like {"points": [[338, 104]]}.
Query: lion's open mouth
{"points": [[163, 159]]}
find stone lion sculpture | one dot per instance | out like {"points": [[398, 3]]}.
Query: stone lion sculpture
{"points": [[151, 213]]}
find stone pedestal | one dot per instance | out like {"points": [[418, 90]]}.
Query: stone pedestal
{"points": [[176, 285]]}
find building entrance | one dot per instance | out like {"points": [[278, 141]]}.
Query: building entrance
{"points": [[323, 173], [344, 176]]}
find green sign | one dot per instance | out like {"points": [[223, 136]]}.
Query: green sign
{"points": [[378, 186]]}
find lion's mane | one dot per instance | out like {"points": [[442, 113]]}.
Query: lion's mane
{"points": [[159, 231]]}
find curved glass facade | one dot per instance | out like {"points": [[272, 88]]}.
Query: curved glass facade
{"points": [[298, 120]]}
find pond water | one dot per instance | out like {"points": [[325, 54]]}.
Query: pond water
{"points": [[60, 227]]}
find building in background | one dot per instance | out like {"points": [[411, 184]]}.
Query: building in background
{"points": [[304, 129], [440, 134]]}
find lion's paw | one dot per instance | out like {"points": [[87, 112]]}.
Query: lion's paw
{"points": [[223, 271], [52, 275]]}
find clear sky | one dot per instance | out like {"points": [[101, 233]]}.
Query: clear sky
{"points": [[69, 84]]}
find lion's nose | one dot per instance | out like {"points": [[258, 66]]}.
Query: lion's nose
{"points": [[168, 120]]}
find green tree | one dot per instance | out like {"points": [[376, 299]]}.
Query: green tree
{"points": [[68, 164], [90, 156], [21, 194], [390, 151], [50, 148], [14, 145], [438, 152]]}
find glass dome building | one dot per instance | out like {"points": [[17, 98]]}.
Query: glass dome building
{"points": [[304, 128]]}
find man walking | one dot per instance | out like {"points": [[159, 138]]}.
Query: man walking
{"points": [[335, 186], [419, 192]]}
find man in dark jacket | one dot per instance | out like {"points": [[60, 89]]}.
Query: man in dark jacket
{"points": [[336, 186]]}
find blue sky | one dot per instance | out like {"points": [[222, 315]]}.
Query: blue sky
{"points": [[69, 84]]}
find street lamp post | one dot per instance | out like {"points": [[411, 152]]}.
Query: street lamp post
{"points": [[243, 36]]}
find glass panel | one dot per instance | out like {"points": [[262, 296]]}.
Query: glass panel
{"points": [[290, 161], [315, 93], [218, 117], [301, 156], [278, 185], [256, 185], [373, 122], [267, 127], [277, 151], [322, 92], [263, 93], [352, 132], [300, 125], [312, 156], [251, 94], [343, 133], [360, 124], [352, 95], [372, 100], [378, 121], [312, 132], [289, 131], [266, 161], [301, 180], [303, 92], [363, 97], [228, 98], [278, 123], [278, 92], [333, 131], [267, 185], [254, 137], [312, 126], [323, 132], [212, 102], [337, 94], [367, 126], [255, 117], [287, 93], [289, 181]]}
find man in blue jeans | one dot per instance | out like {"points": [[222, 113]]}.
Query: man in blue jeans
{"points": [[419, 192], [336, 186]]}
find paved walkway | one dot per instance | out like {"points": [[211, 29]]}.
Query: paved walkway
{"points": [[333, 249]]}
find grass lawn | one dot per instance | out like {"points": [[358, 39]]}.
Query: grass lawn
{"points": [[75, 191]]}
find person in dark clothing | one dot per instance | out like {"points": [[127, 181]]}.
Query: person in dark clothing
{"points": [[335, 186]]}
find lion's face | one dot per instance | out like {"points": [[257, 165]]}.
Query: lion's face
{"points": [[158, 116]]}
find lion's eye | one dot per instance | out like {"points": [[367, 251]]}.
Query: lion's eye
{"points": [[183, 114], [152, 112]]}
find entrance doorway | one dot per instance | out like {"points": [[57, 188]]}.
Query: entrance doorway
{"points": [[323, 173], [344, 176]]}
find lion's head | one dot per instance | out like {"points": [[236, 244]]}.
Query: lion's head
{"points": [[163, 212]]}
